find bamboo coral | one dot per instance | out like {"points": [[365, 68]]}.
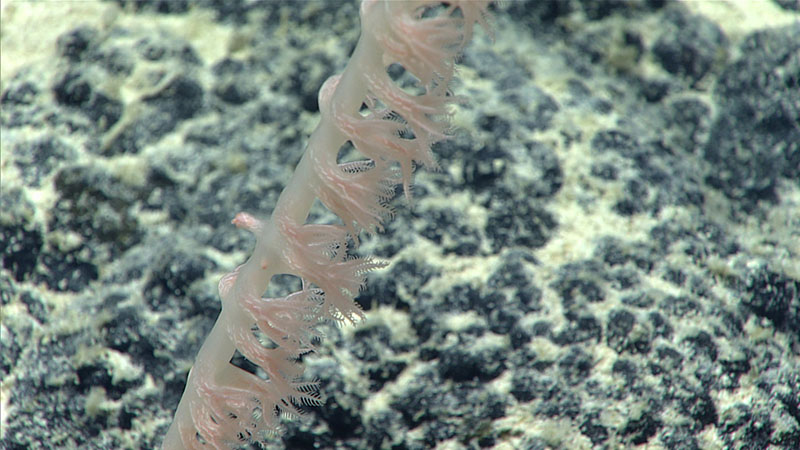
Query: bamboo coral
{"points": [[224, 405]]}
